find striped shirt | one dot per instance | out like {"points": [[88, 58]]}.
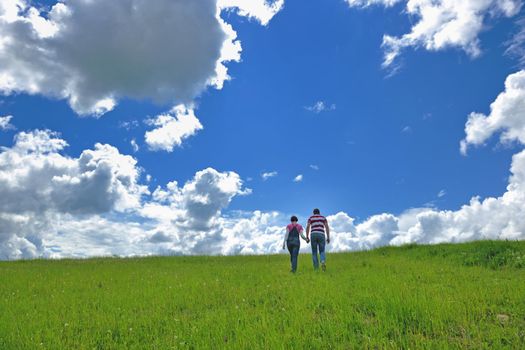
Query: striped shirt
{"points": [[317, 223]]}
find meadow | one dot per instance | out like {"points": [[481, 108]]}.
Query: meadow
{"points": [[464, 296]]}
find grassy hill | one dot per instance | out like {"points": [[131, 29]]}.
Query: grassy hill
{"points": [[443, 296]]}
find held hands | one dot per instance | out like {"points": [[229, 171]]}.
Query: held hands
{"points": [[307, 240]]}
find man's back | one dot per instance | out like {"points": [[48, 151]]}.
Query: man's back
{"points": [[317, 223]]}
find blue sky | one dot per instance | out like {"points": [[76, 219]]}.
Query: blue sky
{"points": [[388, 140]]}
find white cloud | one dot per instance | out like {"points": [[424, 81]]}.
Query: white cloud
{"points": [[314, 167], [197, 204], [255, 233], [443, 24], [35, 177], [490, 218], [53, 205], [267, 175], [298, 178], [5, 122], [168, 53], [442, 194], [128, 125], [516, 45], [134, 145], [261, 10], [38, 184], [507, 114], [320, 106], [172, 128]]}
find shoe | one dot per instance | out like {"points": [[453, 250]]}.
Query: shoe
{"points": [[323, 266]]}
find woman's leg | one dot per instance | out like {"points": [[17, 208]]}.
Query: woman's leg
{"points": [[295, 255], [290, 250]]}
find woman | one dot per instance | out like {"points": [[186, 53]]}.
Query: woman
{"points": [[291, 239]]}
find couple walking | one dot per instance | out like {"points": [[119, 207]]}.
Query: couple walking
{"points": [[317, 226]]}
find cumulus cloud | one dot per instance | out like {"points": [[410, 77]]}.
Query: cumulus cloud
{"points": [[261, 10], [54, 205], [172, 128], [320, 106], [298, 178], [167, 53], [35, 176], [500, 217], [443, 24], [506, 114], [5, 122], [175, 220], [267, 175], [39, 183], [196, 205]]}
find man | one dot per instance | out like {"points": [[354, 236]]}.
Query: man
{"points": [[318, 225]]}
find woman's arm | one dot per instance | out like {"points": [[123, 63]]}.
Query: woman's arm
{"points": [[286, 238], [302, 234]]}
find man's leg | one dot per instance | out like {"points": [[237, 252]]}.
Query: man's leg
{"points": [[315, 243], [322, 245]]}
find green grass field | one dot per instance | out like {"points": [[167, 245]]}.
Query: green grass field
{"points": [[444, 296]]}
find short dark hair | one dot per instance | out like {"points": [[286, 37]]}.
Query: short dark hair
{"points": [[316, 211], [294, 218]]}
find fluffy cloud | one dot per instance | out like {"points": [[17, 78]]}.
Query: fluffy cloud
{"points": [[167, 53], [53, 205], [262, 10], [443, 23], [35, 177], [172, 128], [197, 205], [298, 178], [5, 122], [490, 218], [267, 175], [507, 114], [38, 183], [175, 220]]}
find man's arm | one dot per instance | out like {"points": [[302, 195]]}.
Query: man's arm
{"points": [[307, 232], [327, 231]]}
